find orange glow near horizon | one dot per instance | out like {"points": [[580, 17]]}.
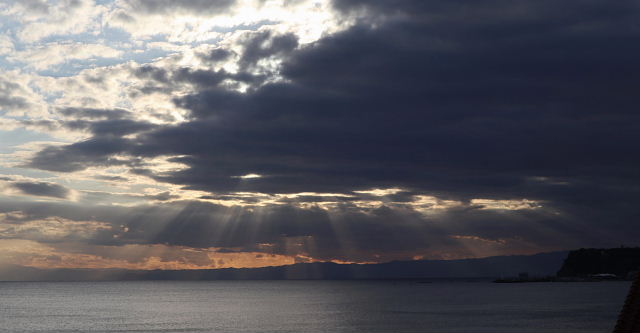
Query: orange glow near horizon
{"points": [[41, 255], [132, 257]]}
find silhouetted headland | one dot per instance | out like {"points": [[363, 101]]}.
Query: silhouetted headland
{"points": [[622, 262], [590, 265]]}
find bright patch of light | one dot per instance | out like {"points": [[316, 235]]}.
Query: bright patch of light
{"points": [[428, 204], [313, 194], [248, 176], [165, 164], [506, 204], [381, 192]]}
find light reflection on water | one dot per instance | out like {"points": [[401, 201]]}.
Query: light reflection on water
{"points": [[309, 306]]}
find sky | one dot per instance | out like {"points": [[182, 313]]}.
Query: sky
{"points": [[195, 134]]}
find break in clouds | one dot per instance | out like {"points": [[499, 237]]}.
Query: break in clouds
{"points": [[204, 134]]}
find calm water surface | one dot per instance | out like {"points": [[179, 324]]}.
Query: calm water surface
{"points": [[309, 306]]}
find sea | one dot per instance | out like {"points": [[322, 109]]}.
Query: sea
{"points": [[310, 306]]}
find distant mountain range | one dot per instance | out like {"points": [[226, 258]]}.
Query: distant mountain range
{"points": [[543, 264]]}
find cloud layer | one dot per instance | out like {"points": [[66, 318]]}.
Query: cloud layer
{"points": [[405, 129]]}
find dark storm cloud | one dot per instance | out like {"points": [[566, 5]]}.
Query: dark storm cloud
{"points": [[116, 127], [42, 189], [435, 104], [80, 155], [101, 123], [170, 6], [93, 196], [459, 99]]}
